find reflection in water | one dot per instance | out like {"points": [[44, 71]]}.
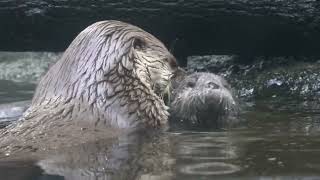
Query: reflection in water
{"points": [[135, 156], [206, 154], [99, 160], [280, 141], [161, 156], [140, 156]]}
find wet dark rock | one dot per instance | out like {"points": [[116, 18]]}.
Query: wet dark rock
{"points": [[212, 63], [255, 27], [25, 66], [265, 76]]}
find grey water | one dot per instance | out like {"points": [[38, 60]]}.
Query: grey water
{"points": [[279, 140]]}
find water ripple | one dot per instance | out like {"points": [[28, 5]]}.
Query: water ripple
{"points": [[209, 168]]}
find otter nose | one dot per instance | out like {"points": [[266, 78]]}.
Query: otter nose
{"points": [[213, 85]]}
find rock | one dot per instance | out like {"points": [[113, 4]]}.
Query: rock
{"points": [[265, 76], [255, 27], [25, 66], [213, 63]]}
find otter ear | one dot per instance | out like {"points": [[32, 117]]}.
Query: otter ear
{"points": [[139, 44]]}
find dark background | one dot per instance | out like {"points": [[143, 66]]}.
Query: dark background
{"points": [[193, 27]]}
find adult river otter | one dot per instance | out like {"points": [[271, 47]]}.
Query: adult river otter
{"points": [[111, 78], [202, 100]]}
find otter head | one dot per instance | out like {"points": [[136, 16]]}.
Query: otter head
{"points": [[155, 67], [113, 73], [202, 100]]}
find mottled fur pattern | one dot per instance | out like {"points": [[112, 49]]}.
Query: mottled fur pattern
{"points": [[111, 75]]}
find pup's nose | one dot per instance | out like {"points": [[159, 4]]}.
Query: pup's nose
{"points": [[213, 85]]}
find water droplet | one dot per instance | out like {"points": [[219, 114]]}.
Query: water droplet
{"points": [[272, 159]]}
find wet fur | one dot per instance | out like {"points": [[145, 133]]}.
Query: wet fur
{"points": [[111, 76]]}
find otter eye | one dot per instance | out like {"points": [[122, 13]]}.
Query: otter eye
{"points": [[138, 44], [212, 85], [190, 84]]}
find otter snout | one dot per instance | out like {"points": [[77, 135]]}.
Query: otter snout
{"points": [[212, 85], [203, 100]]}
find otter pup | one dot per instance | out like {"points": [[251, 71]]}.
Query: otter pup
{"points": [[111, 79], [202, 100]]}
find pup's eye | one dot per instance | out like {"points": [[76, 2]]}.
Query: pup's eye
{"points": [[191, 84]]}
